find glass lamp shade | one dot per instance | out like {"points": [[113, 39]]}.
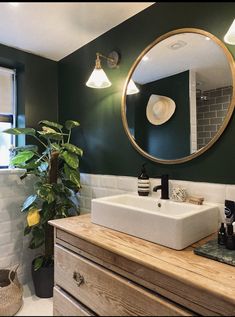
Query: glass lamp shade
{"points": [[132, 88], [98, 79], [230, 35]]}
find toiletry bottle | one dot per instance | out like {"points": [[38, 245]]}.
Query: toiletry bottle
{"points": [[229, 210], [230, 242], [143, 182], [222, 236]]}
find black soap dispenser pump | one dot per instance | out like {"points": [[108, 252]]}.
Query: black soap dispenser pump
{"points": [[143, 182]]}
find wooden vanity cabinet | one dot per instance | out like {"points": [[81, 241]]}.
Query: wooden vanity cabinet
{"points": [[103, 272]]}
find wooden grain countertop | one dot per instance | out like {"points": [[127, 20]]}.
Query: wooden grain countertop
{"points": [[205, 275]]}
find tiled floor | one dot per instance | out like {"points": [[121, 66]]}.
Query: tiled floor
{"points": [[35, 306]]}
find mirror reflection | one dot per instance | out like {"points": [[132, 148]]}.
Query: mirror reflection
{"points": [[185, 89]]}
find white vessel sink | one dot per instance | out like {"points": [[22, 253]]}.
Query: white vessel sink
{"points": [[172, 224]]}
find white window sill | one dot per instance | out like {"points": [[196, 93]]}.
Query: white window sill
{"points": [[11, 171]]}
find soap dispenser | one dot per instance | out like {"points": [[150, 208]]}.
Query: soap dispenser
{"points": [[222, 235], [143, 182], [230, 242], [230, 217]]}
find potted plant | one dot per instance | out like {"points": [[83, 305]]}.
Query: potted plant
{"points": [[57, 182]]}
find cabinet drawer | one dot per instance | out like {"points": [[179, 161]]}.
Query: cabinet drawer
{"points": [[65, 305], [106, 293]]}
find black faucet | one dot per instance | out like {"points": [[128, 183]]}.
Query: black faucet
{"points": [[164, 187]]}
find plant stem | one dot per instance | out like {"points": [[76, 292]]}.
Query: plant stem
{"points": [[62, 141], [53, 176], [49, 152], [41, 158], [53, 169], [40, 141], [69, 136]]}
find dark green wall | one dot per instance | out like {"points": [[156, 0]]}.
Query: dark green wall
{"points": [[37, 85], [170, 140], [107, 149]]}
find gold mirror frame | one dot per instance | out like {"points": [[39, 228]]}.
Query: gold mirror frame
{"points": [[226, 119]]}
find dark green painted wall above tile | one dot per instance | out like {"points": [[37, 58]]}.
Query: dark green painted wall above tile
{"points": [[107, 149], [37, 85]]}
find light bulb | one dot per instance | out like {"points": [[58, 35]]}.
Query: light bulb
{"points": [[230, 35], [132, 88], [98, 79]]}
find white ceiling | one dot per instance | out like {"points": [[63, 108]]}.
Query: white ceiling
{"points": [[199, 54], [56, 29]]}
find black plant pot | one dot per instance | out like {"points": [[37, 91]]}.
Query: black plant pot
{"points": [[43, 280]]}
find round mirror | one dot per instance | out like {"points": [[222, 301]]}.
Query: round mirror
{"points": [[179, 97]]}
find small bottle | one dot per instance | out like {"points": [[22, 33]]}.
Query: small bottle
{"points": [[143, 183], [230, 242], [222, 236]]}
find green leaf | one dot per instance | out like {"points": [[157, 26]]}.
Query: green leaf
{"points": [[45, 192], [51, 124], [27, 230], [38, 184], [47, 212], [46, 216], [38, 262], [71, 185], [59, 189], [72, 175], [17, 131], [32, 148], [38, 238], [22, 157], [54, 136], [70, 124], [28, 202], [49, 130], [30, 165], [72, 148], [70, 158], [55, 146]]}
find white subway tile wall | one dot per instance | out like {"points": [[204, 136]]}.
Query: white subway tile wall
{"points": [[96, 186], [13, 245]]}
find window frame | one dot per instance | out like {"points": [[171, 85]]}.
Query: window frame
{"points": [[11, 117]]}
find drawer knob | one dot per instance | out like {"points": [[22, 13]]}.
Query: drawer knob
{"points": [[78, 278]]}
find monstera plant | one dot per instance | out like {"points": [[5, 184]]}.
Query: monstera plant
{"points": [[56, 183]]}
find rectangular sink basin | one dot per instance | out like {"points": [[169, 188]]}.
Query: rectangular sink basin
{"points": [[173, 224]]}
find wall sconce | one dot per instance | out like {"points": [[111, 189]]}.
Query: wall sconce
{"points": [[230, 35], [98, 78], [132, 88]]}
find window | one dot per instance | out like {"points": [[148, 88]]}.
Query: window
{"points": [[7, 112]]}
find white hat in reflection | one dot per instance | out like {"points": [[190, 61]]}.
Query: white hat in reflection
{"points": [[159, 109]]}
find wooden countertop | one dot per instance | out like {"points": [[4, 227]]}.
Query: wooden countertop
{"points": [[205, 275]]}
